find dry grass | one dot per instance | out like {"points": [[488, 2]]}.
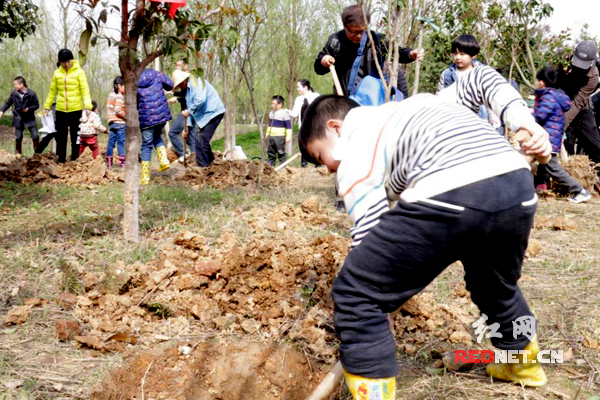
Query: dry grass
{"points": [[45, 229]]}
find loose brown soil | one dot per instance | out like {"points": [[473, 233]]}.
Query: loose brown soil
{"points": [[272, 289], [215, 370]]}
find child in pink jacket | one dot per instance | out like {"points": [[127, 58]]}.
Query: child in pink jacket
{"points": [[88, 130]]}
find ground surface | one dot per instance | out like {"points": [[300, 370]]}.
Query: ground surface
{"points": [[227, 296]]}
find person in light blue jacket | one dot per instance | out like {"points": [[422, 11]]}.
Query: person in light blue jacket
{"points": [[204, 109]]}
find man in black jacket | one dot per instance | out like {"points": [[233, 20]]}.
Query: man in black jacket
{"points": [[25, 103], [579, 82], [341, 49]]}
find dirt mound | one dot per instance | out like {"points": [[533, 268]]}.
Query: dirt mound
{"points": [[228, 173], [580, 168], [226, 371], [268, 286], [274, 285], [44, 167]]}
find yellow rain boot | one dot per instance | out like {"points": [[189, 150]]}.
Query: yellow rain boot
{"points": [[527, 371], [145, 178], [371, 389], [163, 159]]}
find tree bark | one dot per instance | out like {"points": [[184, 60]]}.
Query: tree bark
{"points": [[131, 190]]}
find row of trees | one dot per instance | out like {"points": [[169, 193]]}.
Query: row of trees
{"points": [[252, 49], [283, 38]]}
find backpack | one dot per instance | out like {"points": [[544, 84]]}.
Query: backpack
{"points": [[370, 90]]}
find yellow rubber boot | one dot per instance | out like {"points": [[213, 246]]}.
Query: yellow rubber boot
{"points": [[528, 371], [145, 178], [371, 389], [163, 159]]}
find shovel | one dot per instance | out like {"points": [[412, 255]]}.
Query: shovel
{"points": [[336, 81], [334, 377]]}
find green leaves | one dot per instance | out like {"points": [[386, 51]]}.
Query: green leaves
{"points": [[18, 18]]}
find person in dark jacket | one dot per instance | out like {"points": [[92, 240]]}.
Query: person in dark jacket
{"points": [[25, 104], [579, 81], [342, 47], [550, 105], [154, 113]]}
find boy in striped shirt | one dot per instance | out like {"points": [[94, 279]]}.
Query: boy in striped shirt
{"points": [[279, 131], [462, 193]]}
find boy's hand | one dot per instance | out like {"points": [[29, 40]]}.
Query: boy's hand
{"points": [[417, 54], [327, 61], [172, 100], [46, 112], [185, 113], [539, 145], [25, 110]]}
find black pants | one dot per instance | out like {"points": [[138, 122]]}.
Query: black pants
{"points": [[67, 123], [276, 149], [554, 170], [583, 131], [45, 142], [487, 229], [204, 154]]}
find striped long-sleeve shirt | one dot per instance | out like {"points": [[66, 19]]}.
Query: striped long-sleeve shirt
{"points": [[280, 124], [424, 146], [115, 108]]}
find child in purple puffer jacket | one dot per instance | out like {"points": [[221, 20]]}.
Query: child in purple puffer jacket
{"points": [[550, 105]]}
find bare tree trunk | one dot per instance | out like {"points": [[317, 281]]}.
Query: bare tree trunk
{"points": [[131, 226], [64, 7], [249, 78], [229, 147], [232, 120]]}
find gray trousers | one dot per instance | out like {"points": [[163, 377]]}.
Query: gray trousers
{"points": [[555, 171], [32, 129]]}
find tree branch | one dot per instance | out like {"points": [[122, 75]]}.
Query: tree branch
{"points": [[374, 51]]}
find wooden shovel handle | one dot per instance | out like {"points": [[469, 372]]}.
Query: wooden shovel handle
{"points": [[336, 80], [523, 136], [328, 384]]}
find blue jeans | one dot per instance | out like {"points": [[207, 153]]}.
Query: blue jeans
{"points": [[151, 138], [175, 136], [117, 134]]}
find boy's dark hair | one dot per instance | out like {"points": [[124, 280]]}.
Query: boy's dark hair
{"points": [[306, 84], [548, 75], [21, 80], [353, 15], [118, 81], [467, 44], [321, 110], [278, 98], [94, 105]]}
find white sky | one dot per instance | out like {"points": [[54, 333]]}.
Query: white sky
{"points": [[574, 14]]}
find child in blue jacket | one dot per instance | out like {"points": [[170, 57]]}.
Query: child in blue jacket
{"points": [[550, 105]]}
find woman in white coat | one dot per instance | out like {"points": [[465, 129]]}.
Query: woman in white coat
{"points": [[306, 96]]}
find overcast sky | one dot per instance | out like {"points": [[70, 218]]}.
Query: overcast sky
{"points": [[574, 14]]}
